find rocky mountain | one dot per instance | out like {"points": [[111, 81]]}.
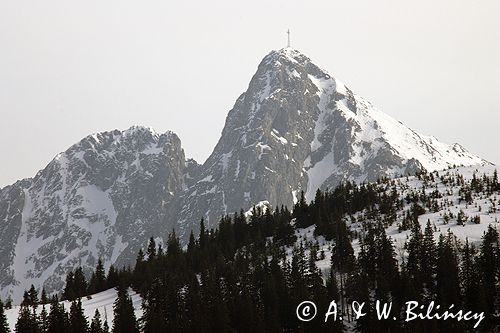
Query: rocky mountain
{"points": [[451, 186], [296, 128], [103, 197]]}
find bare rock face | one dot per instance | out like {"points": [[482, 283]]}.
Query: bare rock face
{"points": [[296, 128]]}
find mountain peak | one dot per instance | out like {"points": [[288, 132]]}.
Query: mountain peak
{"points": [[297, 128], [286, 55], [139, 129]]}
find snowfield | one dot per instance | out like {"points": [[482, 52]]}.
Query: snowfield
{"points": [[484, 206]]}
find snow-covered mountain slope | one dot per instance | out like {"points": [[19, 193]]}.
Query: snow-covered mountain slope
{"points": [[102, 198], [446, 188], [295, 128], [103, 302], [298, 128]]}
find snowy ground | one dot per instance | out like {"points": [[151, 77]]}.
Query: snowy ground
{"points": [[102, 301], [482, 206]]}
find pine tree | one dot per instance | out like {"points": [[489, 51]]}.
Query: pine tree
{"points": [[58, 317], [44, 319], [69, 289], [80, 284], [33, 296], [489, 259], [203, 234], [301, 212], [105, 327], [77, 321], [139, 280], [429, 256], [386, 265], [27, 321], [96, 325], [270, 300], [98, 279], [470, 275], [413, 265], [213, 297], [173, 245], [358, 286], [155, 317], [193, 304], [447, 279], [124, 320], [342, 252], [151, 251], [43, 298], [30, 297], [8, 303], [112, 278], [298, 279], [4, 325]]}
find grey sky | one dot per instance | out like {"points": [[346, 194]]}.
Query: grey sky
{"points": [[71, 68]]}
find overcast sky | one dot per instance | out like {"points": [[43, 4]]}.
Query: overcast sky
{"points": [[72, 68]]}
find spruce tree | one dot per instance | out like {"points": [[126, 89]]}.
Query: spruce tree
{"points": [[155, 317], [105, 327], [413, 264], [77, 321], [489, 260], [203, 234], [193, 304], [358, 285], [429, 259], [32, 296], [270, 300], [96, 325], [4, 325], [332, 291], [27, 321], [151, 249], [69, 289], [139, 281], [124, 320], [447, 280], [112, 277], [8, 303], [470, 276], [298, 278], [80, 284], [213, 297], [98, 279], [58, 317], [173, 245], [342, 252], [301, 212], [44, 319], [43, 298]]}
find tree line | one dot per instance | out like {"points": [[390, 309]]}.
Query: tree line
{"points": [[250, 273]]}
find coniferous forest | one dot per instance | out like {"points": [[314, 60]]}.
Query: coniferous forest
{"points": [[251, 273]]}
